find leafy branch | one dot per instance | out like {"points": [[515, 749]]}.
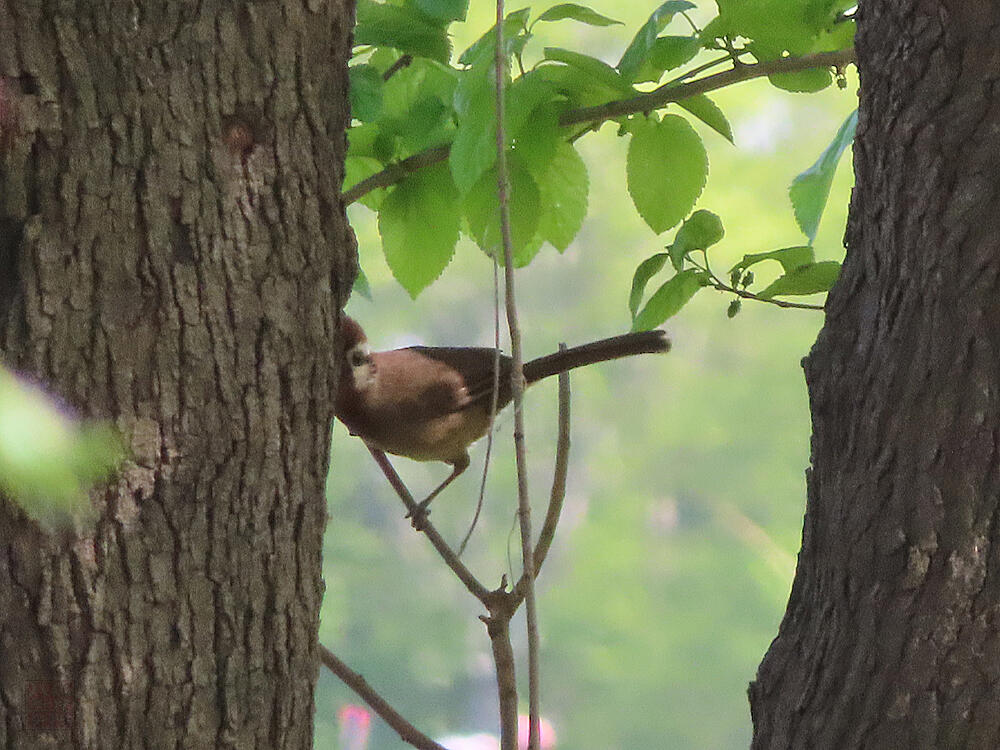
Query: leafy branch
{"points": [[643, 103]]}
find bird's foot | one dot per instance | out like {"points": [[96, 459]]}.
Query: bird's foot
{"points": [[418, 516]]}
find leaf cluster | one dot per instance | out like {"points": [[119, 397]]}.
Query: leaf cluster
{"points": [[413, 99]]}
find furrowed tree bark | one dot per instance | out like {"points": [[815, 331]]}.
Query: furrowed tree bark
{"points": [[173, 256], [891, 638]]}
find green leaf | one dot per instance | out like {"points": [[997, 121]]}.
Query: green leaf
{"points": [[361, 286], [419, 223], [790, 258], [591, 66], [482, 211], [365, 92], [401, 28], [580, 13], [734, 308], [358, 168], [808, 279], [667, 53], [563, 188], [48, 460], [474, 149], [701, 230], [802, 81], [809, 191], [667, 167], [643, 273], [514, 33], [709, 113], [668, 300], [443, 10], [645, 38]]}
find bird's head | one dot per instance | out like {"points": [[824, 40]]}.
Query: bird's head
{"points": [[358, 368]]}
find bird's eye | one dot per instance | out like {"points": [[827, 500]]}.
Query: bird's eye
{"points": [[356, 358]]}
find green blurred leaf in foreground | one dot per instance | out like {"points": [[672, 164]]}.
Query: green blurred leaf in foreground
{"points": [[48, 460]]}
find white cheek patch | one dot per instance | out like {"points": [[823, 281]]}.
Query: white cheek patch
{"points": [[364, 372]]}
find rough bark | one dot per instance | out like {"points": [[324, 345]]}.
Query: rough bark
{"points": [[173, 256], [892, 634]]}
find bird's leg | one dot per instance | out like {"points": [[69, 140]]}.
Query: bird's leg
{"points": [[460, 464]]}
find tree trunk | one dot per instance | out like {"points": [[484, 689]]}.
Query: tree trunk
{"points": [[173, 256], [891, 635]]}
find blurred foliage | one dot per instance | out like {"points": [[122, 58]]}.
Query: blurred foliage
{"points": [[670, 572], [49, 460]]}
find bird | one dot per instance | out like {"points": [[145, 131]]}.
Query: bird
{"points": [[431, 403]]}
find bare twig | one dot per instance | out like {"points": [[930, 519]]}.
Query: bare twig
{"points": [[447, 554], [498, 627], [558, 493], [494, 402], [406, 731], [670, 92], [517, 387]]}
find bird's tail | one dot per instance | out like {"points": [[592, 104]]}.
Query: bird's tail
{"points": [[643, 342]]}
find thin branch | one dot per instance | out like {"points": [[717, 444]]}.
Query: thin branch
{"points": [[670, 93], [494, 402], [395, 172], [447, 554], [498, 627], [403, 62], [406, 731], [558, 493], [722, 287], [660, 97], [517, 387]]}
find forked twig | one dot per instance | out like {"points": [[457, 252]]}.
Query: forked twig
{"points": [[447, 554]]}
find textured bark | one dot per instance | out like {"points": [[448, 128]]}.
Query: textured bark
{"points": [[173, 256], [892, 634]]}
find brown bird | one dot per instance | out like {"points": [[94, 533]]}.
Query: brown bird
{"points": [[430, 403]]}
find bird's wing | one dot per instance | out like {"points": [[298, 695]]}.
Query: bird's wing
{"points": [[474, 366]]}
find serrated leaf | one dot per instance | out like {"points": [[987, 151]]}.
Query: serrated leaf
{"points": [[810, 190], [809, 279], [643, 273], [482, 212], [443, 10], [802, 81], [645, 38], [700, 231], [592, 66], [365, 92], [668, 300], [667, 167], [709, 113], [419, 223], [790, 258], [580, 13], [563, 204], [401, 28], [734, 308], [667, 53]]}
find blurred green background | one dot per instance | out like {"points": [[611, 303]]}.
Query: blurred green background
{"points": [[669, 574]]}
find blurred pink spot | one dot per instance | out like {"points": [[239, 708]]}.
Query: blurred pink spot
{"points": [[355, 726]]}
